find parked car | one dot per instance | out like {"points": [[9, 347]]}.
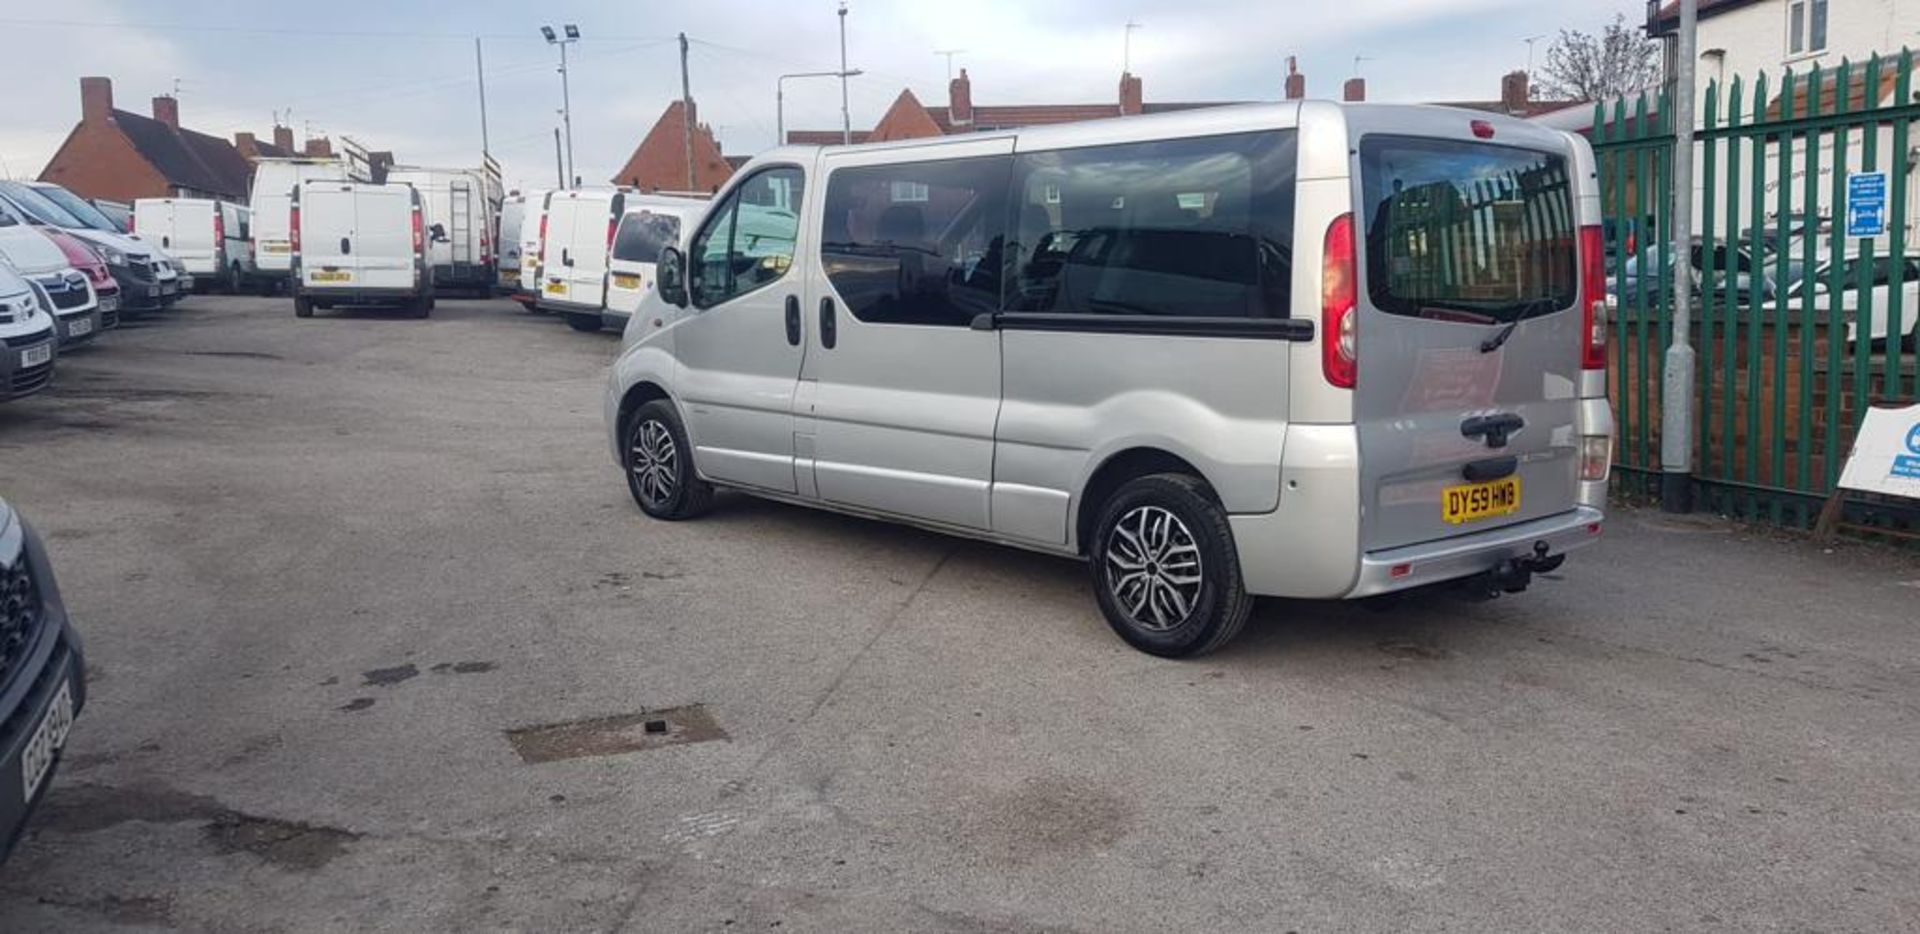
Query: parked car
{"points": [[269, 207], [118, 212], [82, 256], [91, 218], [1105, 340], [357, 243], [459, 206], [212, 240], [43, 684], [648, 225], [574, 246], [63, 291], [147, 278], [1880, 271], [27, 339]]}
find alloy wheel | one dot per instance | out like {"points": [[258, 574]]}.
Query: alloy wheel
{"points": [[654, 460], [1153, 568]]}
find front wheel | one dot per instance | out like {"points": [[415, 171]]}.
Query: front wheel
{"points": [[1165, 570], [302, 306], [659, 463]]}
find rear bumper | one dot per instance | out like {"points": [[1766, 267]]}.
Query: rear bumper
{"points": [[356, 296], [1467, 555]]}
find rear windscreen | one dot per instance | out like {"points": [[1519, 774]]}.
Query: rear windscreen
{"points": [[643, 235], [1464, 231]]}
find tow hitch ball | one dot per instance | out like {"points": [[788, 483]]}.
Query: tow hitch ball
{"points": [[1514, 574]]}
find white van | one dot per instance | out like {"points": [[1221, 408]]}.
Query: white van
{"points": [[357, 243], [460, 206], [513, 213], [532, 230], [270, 202], [1307, 350], [648, 225], [212, 240], [574, 243]]}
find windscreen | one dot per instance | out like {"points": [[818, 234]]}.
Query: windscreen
{"points": [[37, 206], [1461, 231], [78, 207]]}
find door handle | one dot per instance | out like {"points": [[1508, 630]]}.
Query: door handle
{"points": [[566, 257], [793, 320], [827, 335], [345, 247], [1495, 428]]}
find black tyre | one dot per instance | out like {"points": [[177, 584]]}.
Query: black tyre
{"points": [[580, 322], [659, 463], [302, 306], [420, 307], [1164, 567], [235, 282]]}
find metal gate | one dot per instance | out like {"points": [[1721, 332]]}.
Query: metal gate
{"points": [[1787, 305]]}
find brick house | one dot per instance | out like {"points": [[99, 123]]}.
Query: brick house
{"points": [[908, 118], [120, 155], [659, 163]]}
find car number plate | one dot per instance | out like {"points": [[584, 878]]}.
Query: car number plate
{"points": [[556, 288], [109, 303], [34, 356], [44, 746], [276, 246], [626, 280], [80, 328], [332, 275], [1470, 501]]}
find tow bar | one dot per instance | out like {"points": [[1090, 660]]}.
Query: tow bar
{"points": [[1514, 574]]}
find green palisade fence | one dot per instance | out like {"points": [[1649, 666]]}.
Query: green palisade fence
{"points": [[1782, 381]]}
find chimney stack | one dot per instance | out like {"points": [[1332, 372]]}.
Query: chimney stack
{"points": [[960, 100], [283, 138], [1131, 100], [166, 109], [96, 99], [1296, 82], [1514, 92], [244, 142], [1355, 90], [319, 146]]}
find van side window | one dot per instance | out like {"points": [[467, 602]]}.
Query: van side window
{"points": [[749, 239], [1199, 228], [643, 234], [919, 242]]}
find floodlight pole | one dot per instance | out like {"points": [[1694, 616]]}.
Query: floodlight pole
{"points": [[846, 117]]}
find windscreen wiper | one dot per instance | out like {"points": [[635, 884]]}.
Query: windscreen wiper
{"points": [[1499, 340]]}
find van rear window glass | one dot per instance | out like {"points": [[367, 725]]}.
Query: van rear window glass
{"points": [[1199, 228], [917, 242], [1462, 231], [643, 235]]}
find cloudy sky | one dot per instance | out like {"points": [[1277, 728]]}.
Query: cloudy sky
{"points": [[399, 74]]}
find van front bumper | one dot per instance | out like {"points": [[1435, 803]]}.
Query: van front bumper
{"points": [[1477, 553]]}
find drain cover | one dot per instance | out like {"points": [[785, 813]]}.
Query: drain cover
{"points": [[617, 735]]}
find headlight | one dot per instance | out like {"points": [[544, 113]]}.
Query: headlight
{"points": [[112, 256]]}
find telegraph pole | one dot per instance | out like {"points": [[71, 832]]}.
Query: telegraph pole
{"points": [[1676, 398], [846, 119], [480, 74], [686, 111]]}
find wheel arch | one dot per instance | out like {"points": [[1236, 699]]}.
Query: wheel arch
{"points": [[637, 395], [1116, 471]]}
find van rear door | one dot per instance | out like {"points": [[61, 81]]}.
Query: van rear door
{"points": [[593, 219], [1469, 331], [558, 252], [327, 254], [383, 236]]}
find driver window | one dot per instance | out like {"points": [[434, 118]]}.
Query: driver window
{"points": [[749, 240]]}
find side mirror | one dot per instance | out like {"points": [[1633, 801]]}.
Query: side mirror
{"points": [[438, 232], [670, 274]]}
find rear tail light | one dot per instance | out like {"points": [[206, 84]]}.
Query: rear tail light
{"points": [[1593, 299], [543, 238], [1596, 456], [1339, 337], [612, 223], [293, 228], [419, 234], [219, 230], [131, 222]]}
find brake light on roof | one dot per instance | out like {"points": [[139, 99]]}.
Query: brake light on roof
{"points": [[1481, 129], [1593, 299], [1339, 335]]}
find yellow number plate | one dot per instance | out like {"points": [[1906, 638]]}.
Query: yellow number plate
{"points": [[556, 288], [277, 246], [626, 280], [1470, 501], [332, 275]]}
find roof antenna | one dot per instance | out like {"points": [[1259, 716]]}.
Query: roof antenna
{"points": [[1126, 48], [1357, 59], [949, 53]]}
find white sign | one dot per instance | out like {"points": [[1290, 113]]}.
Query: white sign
{"points": [[1886, 456]]}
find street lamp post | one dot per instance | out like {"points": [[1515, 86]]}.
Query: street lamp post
{"points": [[566, 96], [846, 117], [780, 97]]}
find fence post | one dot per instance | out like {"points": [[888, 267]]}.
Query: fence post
{"points": [[1676, 397]]}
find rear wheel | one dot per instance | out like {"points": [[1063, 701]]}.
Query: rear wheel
{"points": [[235, 281], [302, 306], [420, 306], [659, 463], [580, 322], [1164, 567]]}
